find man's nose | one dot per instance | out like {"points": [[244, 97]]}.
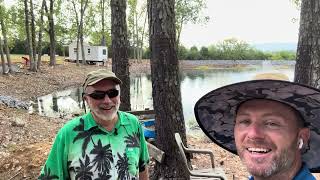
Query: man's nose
{"points": [[255, 131], [106, 98]]}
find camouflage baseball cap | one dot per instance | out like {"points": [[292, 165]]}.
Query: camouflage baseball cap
{"points": [[95, 76], [215, 112]]}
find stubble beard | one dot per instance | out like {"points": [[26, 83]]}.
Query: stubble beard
{"points": [[107, 117], [281, 162]]}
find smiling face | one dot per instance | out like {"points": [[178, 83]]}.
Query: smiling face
{"points": [[266, 135], [105, 109]]}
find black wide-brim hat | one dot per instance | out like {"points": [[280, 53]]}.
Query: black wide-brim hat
{"points": [[215, 112]]}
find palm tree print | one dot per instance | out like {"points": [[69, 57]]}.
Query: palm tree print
{"points": [[103, 157], [103, 176], [86, 134], [84, 171], [123, 167], [46, 175], [133, 140]]}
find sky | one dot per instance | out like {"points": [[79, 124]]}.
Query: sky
{"points": [[253, 21]]}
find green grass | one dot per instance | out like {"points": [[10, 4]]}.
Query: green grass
{"points": [[17, 58], [202, 67]]}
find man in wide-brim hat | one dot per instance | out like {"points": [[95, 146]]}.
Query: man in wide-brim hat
{"points": [[274, 126]]}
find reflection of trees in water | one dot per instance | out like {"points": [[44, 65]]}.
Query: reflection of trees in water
{"points": [[137, 95], [191, 75], [137, 75], [79, 97], [40, 106], [60, 104], [55, 103], [202, 74]]}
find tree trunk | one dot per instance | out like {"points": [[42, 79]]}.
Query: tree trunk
{"points": [[315, 52], [142, 37], [136, 34], [120, 62], [27, 27], [81, 44], [33, 64], [103, 38], [166, 88], [40, 34], [307, 70], [82, 11], [5, 39], [78, 32], [52, 36], [3, 63]]}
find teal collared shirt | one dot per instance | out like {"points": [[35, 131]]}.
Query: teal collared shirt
{"points": [[303, 174]]}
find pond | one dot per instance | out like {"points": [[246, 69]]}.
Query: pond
{"points": [[194, 84]]}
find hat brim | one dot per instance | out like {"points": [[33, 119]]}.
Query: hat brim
{"points": [[215, 111], [114, 79]]}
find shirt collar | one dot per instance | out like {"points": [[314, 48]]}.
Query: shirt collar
{"points": [[303, 174]]}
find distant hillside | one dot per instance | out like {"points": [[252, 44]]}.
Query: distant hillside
{"points": [[276, 46]]}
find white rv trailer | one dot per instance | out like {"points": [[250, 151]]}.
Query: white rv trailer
{"points": [[93, 54]]}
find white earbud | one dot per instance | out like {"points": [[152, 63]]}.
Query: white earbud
{"points": [[300, 143]]}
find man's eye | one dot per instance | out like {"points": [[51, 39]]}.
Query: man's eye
{"points": [[244, 121], [272, 124]]}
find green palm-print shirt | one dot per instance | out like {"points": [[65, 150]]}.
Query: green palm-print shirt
{"points": [[85, 150]]}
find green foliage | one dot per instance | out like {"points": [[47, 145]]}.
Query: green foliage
{"points": [[193, 53], [231, 49], [146, 54], [204, 53], [283, 55], [182, 52], [19, 47], [189, 11]]}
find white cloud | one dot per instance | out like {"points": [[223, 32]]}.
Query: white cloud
{"points": [[254, 21]]}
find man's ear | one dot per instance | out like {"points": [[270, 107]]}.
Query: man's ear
{"points": [[304, 134]]}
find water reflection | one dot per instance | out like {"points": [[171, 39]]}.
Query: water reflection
{"points": [[194, 84], [60, 104]]}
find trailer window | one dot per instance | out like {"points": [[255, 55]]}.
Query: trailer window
{"points": [[104, 52]]}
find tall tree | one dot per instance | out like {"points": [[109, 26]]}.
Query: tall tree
{"points": [[80, 25], [52, 36], [307, 69], [5, 39], [33, 64], [137, 21], [83, 7], [166, 88], [27, 29], [78, 30], [189, 11], [3, 63], [120, 62], [41, 21], [103, 7]]}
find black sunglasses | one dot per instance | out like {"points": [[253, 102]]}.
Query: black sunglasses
{"points": [[102, 94]]}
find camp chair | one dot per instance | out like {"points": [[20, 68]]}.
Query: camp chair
{"points": [[212, 173]]}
